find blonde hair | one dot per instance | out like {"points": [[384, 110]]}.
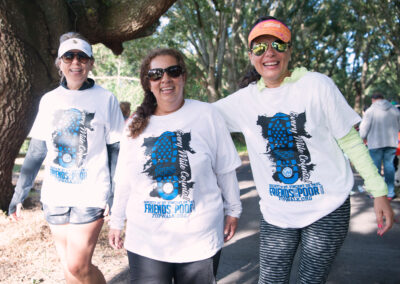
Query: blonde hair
{"points": [[63, 38]]}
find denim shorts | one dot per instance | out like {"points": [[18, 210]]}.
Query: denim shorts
{"points": [[60, 215]]}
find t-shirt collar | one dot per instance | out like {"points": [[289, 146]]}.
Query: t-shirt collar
{"points": [[297, 73], [86, 85]]}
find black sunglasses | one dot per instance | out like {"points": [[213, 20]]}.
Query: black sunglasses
{"points": [[69, 56], [259, 49], [173, 71]]}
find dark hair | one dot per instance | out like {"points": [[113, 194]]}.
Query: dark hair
{"points": [[252, 74], [146, 109], [377, 96], [125, 108]]}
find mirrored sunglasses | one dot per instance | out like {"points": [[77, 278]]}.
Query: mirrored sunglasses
{"points": [[260, 48], [69, 56], [173, 71]]}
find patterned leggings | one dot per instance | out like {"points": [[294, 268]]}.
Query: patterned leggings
{"points": [[319, 244]]}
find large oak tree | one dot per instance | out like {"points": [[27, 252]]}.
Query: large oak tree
{"points": [[29, 39]]}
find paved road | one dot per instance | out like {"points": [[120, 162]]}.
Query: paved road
{"points": [[365, 258]]}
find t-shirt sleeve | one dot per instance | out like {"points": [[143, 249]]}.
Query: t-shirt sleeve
{"points": [[228, 107], [226, 156], [122, 186], [41, 124], [340, 117], [115, 124]]}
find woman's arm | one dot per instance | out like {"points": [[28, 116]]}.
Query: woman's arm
{"points": [[229, 186], [112, 151], [353, 146], [33, 160]]}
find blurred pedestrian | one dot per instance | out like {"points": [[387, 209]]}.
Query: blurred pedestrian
{"points": [[380, 127]]}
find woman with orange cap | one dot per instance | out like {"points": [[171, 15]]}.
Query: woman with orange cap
{"points": [[297, 125]]}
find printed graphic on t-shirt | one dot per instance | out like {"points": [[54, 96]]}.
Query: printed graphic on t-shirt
{"points": [[168, 166], [70, 143], [290, 157]]}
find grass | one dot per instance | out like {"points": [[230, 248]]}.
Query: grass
{"points": [[17, 168], [240, 143], [240, 148]]}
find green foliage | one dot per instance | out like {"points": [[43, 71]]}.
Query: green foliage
{"points": [[356, 43], [240, 143], [24, 148], [116, 74], [16, 168]]}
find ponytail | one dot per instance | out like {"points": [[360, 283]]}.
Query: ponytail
{"points": [[250, 77], [142, 115]]}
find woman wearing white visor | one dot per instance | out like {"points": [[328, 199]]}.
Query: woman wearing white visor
{"points": [[77, 130]]}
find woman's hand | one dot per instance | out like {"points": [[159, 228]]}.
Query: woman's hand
{"points": [[230, 227], [114, 238], [106, 213], [384, 214], [16, 216]]}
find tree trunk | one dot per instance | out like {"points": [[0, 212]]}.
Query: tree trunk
{"points": [[29, 32], [24, 75]]}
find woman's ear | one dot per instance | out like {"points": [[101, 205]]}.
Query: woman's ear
{"points": [[250, 57], [91, 63]]}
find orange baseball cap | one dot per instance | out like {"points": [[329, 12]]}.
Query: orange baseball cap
{"points": [[270, 27]]}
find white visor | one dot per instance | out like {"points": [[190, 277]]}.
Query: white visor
{"points": [[75, 43]]}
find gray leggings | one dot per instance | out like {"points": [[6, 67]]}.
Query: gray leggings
{"points": [[319, 244]]}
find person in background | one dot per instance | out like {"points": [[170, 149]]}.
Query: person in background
{"points": [[77, 130], [296, 125], [380, 126], [126, 109], [175, 181]]}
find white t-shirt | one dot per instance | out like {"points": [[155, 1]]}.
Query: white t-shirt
{"points": [[300, 172], [77, 125], [166, 185]]}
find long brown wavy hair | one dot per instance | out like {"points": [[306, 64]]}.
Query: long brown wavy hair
{"points": [[149, 104]]}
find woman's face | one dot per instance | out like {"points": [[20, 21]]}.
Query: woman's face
{"points": [[167, 90], [75, 72], [272, 65]]}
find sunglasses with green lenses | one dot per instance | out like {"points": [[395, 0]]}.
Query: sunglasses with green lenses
{"points": [[259, 48]]}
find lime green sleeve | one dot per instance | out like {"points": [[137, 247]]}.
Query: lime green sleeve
{"points": [[353, 146]]}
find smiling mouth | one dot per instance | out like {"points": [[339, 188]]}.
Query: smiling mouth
{"points": [[167, 89], [271, 63]]}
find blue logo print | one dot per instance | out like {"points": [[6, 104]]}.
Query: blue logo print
{"points": [[286, 147], [168, 164], [70, 141]]}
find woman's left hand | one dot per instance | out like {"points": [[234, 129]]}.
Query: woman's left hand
{"points": [[230, 227], [384, 214]]}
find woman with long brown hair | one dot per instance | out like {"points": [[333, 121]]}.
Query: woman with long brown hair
{"points": [[175, 180]]}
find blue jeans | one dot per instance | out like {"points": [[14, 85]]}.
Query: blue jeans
{"points": [[385, 155]]}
